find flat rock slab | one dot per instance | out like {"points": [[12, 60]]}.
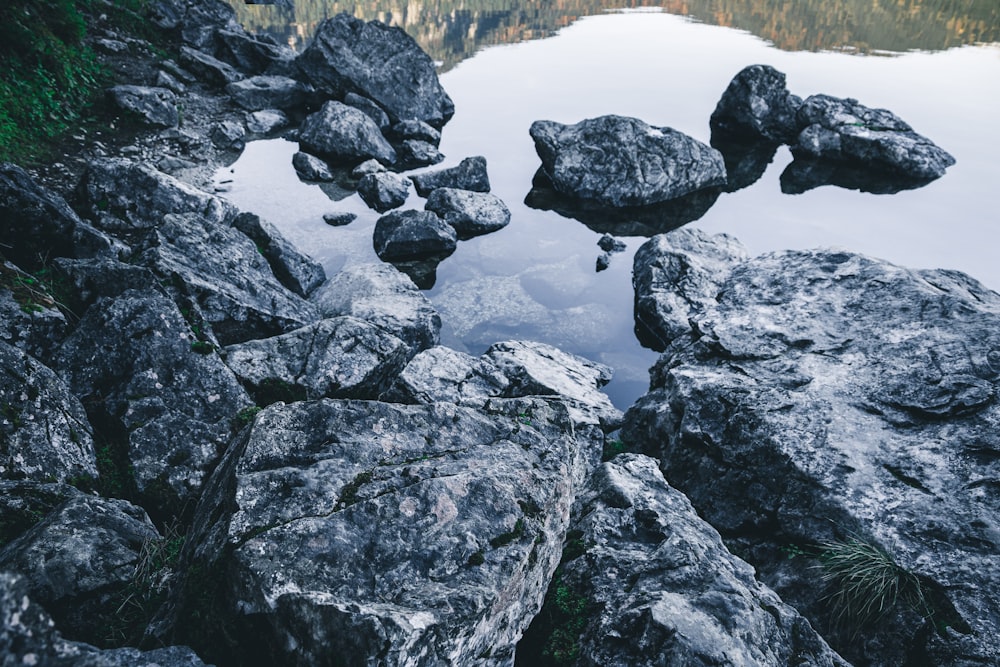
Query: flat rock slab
{"points": [[469, 174], [619, 161], [268, 92], [156, 106]]}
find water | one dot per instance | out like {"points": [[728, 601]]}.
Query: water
{"points": [[536, 279]]}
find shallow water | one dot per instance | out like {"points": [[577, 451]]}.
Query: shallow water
{"points": [[536, 279]]}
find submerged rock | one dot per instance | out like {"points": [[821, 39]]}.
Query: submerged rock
{"points": [[413, 235], [469, 174], [756, 106], [156, 106], [620, 161], [342, 134], [470, 213]]}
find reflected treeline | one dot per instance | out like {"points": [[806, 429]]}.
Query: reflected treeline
{"points": [[452, 30]]}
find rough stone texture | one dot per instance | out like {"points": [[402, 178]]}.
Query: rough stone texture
{"points": [[29, 318], [268, 92], [413, 153], [373, 110], [829, 397], [470, 213], [341, 357], [384, 190], [156, 106], [620, 161], [88, 280], [843, 129], [220, 269], [196, 21], [311, 168], [379, 62], [675, 276], [135, 362], [391, 534], [469, 174], [384, 296], [414, 129], [441, 374], [170, 82], [44, 432], [266, 121], [342, 134], [250, 53], [24, 503], [208, 68], [367, 167], [658, 587], [413, 235], [756, 106], [229, 135], [296, 271]]}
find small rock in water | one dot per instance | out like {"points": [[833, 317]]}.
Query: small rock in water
{"points": [[339, 219], [603, 261], [311, 168], [470, 174], [383, 191], [609, 243]]}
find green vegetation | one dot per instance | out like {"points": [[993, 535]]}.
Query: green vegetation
{"points": [[516, 533], [244, 418], [34, 292], [611, 449]]}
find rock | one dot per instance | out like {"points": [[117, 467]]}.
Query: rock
{"points": [[254, 54], [843, 409], [197, 21], [24, 503], [687, 600], [228, 135], [156, 106], [756, 106], [676, 276], [111, 46], [414, 129], [268, 92], [370, 109], [381, 295], [388, 533], [609, 243], [603, 261], [411, 154], [170, 164], [469, 174], [266, 121], [339, 219], [158, 396], [297, 272], [844, 130], [207, 68], [379, 62], [441, 374], [38, 224], [221, 270], [341, 357], [470, 213], [44, 431], [342, 134], [619, 161], [176, 70], [311, 168], [383, 190], [89, 280], [30, 317], [413, 235], [367, 167], [170, 82]]}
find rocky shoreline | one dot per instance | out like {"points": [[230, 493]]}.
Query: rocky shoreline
{"points": [[213, 452]]}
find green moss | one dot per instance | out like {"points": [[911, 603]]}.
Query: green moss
{"points": [[516, 533], [611, 449], [477, 558], [349, 494], [245, 417], [202, 347]]}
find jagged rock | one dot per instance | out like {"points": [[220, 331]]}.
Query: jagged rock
{"points": [[266, 121], [311, 168], [339, 219], [412, 153], [250, 53], [24, 503], [843, 129], [229, 134], [609, 243], [675, 276], [341, 357], [414, 129], [342, 134], [370, 109], [156, 106], [170, 82], [208, 68], [830, 403], [268, 92], [197, 21], [38, 224], [384, 296], [469, 174], [367, 167], [384, 190], [30, 318], [379, 62], [441, 374], [620, 161], [88, 280], [377, 532], [687, 600], [470, 213], [413, 235], [79, 559], [44, 431], [153, 390], [756, 106], [296, 271]]}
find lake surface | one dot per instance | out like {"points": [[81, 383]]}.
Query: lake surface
{"points": [[536, 279]]}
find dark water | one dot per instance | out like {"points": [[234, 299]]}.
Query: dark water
{"points": [[536, 279]]}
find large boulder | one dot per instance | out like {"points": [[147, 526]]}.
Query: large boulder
{"points": [[756, 106], [370, 533], [843, 411], [254, 54], [379, 62], [342, 134], [413, 235], [645, 581], [268, 92], [469, 174], [470, 213], [156, 106], [620, 161]]}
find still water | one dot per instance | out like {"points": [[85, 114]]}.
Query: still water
{"points": [[536, 279]]}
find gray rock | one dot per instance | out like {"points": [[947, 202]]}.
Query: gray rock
{"points": [[229, 135], [30, 319], [311, 168], [268, 92], [619, 161], [384, 296], [341, 357], [443, 375], [170, 164], [339, 219], [650, 583], [208, 68], [266, 121], [370, 109], [609, 243], [756, 106], [44, 431], [24, 503], [382, 533], [156, 106], [342, 134], [843, 129], [254, 54], [414, 129], [111, 46], [367, 167], [196, 21], [413, 153], [296, 271], [834, 406], [158, 393], [88, 280], [677, 275], [413, 235], [380, 62], [384, 190], [469, 174], [470, 213], [170, 82]]}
